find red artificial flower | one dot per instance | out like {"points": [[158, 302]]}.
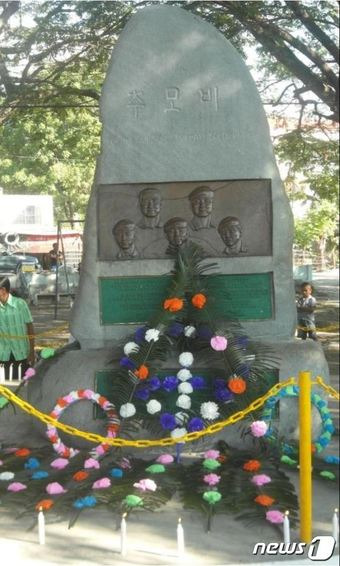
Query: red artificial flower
{"points": [[22, 452], [142, 372], [237, 385], [252, 466], [44, 505], [199, 300], [264, 500], [62, 403], [173, 305], [80, 476]]}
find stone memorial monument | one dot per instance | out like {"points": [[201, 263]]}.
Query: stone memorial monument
{"points": [[185, 156]]}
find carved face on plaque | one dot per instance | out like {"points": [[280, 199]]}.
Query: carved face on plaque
{"points": [[124, 233], [201, 201], [231, 233], [150, 202], [176, 231]]}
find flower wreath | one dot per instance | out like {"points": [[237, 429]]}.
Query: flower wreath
{"points": [[326, 422], [113, 421]]}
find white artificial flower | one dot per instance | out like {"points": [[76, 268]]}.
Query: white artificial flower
{"points": [[153, 406], [189, 331], [181, 418], [185, 388], [184, 402], [184, 374], [130, 347], [186, 359], [152, 334], [127, 410], [178, 432], [5, 476], [209, 410]]}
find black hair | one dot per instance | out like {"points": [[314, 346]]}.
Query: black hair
{"points": [[5, 283], [305, 284]]}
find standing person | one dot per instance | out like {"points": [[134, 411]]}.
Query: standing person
{"points": [[306, 304], [16, 332], [55, 257]]}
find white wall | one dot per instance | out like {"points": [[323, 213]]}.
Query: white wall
{"points": [[22, 213]]}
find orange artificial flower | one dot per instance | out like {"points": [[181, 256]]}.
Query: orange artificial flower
{"points": [[237, 385], [252, 466], [22, 452], [142, 372], [44, 504], [222, 458], [264, 500], [173, 304], [62, 403], [199, 300], [80, 476]]}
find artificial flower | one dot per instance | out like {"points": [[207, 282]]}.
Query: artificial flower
{"points": [[130, 348], [47, 353], [218, 343], [264, 500], [44, 505], [116, 473], [139, 334], [210, 464], [88, 501], [155, 469], [183, 401], [224, 395], [146, 485], [6, 476], [133, 501], [152, 335], [209, 410], [1, 463], [168, 421], [170, 383], [125, 463], [165, 459], [55, 488], [275, 516], [332, 459], [178, 432], [39, 475], [173, 305], [91, 463], [29, 373], [127, 410], [242, 341], [189, 331], [32, 464], [16, 486], [154, 383], [328, 475], [287, 460], [260, 479], [185, 388], [186, 359], [237, 385], [204, 332], [184, 374], [80, 476], [142, 372], [211, 479], [252, 466], [197, 382], [175, 329], [102, 483], [60, 463], [198, 300], [142, 393], [195, 424], [127, 363], [212, 454], [258, 428], [153, 406], [212, 497], [22, 452]]}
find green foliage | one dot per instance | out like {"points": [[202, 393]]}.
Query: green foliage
{"points": [[318, 226]]}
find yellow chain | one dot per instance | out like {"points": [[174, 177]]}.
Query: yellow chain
{"points": [[330, 390], [45, 333], [92, 437]]}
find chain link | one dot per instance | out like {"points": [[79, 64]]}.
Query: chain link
{"points": [[330, 390]]}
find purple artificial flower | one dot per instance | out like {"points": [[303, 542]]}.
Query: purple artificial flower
{"points": [[142, 393], [140, 334], [195, 424], [224, 395], [197, 382], [154, 383], [220, 383], [242, 341], [204, 332], [170, 383], [175, 329], [127, 363], [168, 421]]}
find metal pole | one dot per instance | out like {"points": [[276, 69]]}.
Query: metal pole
{"points": [[64, 256], [57, 276], [305, 451]]}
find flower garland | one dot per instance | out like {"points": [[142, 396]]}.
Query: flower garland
{"points": [[113, 421], [326, 421]]}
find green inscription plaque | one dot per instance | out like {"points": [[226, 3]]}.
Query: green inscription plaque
{"points": [[134, 299]]}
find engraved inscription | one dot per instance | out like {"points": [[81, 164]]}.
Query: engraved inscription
{"points": [[136, 101], [209, 95], [172, 95]]}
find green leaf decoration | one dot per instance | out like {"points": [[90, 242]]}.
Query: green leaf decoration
{"points": [[210, 464], [133, 501], [155, 469], [287, 460], [328, 475], [212, 497], [47, 353]]}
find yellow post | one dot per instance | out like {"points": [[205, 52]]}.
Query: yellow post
{"points": [[305, 449]]}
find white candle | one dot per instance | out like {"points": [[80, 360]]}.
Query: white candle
{"points": [[335, 527], [123, 536], [41, 526], [180, 538], [286, 528]]}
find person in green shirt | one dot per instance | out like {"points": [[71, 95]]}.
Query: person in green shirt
{"points": [[16, 332]]}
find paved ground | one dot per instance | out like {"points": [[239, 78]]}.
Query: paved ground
{"points": [[152, 537]]}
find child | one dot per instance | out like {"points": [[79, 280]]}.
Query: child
{"points": [[305, 312]]}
